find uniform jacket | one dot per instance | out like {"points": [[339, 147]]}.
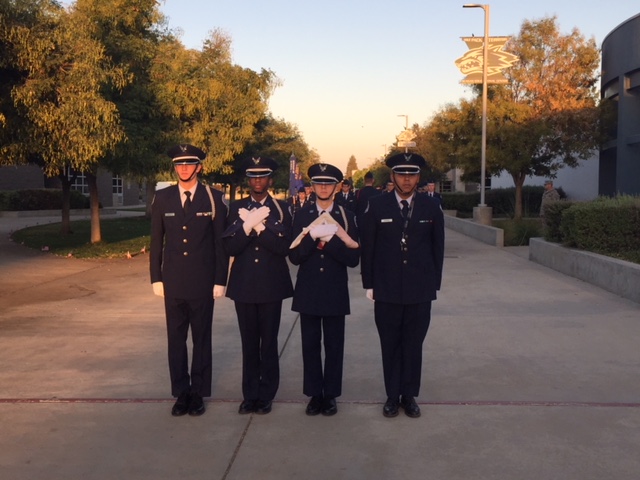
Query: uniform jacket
{"points": [[402, 274], [436, 196], [322, 280], [362, 199], [259, 271], [349, 203], [187, 254]]}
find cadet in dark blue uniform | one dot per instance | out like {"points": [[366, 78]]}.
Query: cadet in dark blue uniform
{"points": [[258, 236], [325, 244], [189, 268], [346, 197], [402, 239]]}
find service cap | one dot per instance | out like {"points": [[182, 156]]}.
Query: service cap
{"points": [[406, 163], [260, 167], [324, 173], [185, 154]]}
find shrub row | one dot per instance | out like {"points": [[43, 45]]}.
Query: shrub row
{"points": [[39, 199], [502, 200], [610, 226]]}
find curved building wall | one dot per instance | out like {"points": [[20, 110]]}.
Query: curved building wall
{"points": [[620, 86]]}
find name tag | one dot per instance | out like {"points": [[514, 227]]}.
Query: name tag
{"points": [[204, 214], [386, 220], [169, 214], [425, 221]]}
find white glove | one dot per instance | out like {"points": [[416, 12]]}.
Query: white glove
{"points": [[219, 291], [369, 293], [344, 236], [243, 212], [254, 217], [158, 289], [324, 231]]}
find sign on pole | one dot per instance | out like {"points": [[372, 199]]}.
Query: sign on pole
{"points": [[471, 63]]}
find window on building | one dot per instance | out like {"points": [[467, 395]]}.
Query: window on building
{"points": [[446, 186], [117, 185], [80, 182]]}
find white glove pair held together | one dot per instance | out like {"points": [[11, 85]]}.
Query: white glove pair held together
{"points": [[253, 219], [325, 232], [158, 289]]}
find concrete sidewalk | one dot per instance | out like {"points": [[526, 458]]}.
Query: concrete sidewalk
{"points": [[528, 374]]}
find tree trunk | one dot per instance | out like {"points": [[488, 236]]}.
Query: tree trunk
{"points": [[518, 180], [232, 192], [65, 226], [151, 191], [96, 235]]}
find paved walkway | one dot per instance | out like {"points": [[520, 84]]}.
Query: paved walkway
{"points": [[528, 375]]}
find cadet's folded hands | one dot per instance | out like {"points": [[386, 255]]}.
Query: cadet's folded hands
{"points": [[253, 218], [323, 232]]}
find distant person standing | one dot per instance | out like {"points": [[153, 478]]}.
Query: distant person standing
{"points": [[300, 200], [402, 238], [549, 196], [189, 269], [258, 236], [364, 194], [345, 197], [325, 245], [431, 192], [389, 187]]}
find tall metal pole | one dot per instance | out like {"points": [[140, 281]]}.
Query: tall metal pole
{"points": [[485, 69]]}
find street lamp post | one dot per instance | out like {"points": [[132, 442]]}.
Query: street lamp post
{"points": [[485, 58]]}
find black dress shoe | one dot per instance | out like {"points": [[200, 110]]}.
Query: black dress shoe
{"points": [[390, 408], [263, 407], [329, 407], [411, 408], [196, 405], [314, 406], [247, 406], [181, 407]]}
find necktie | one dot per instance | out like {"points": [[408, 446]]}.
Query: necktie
{"points": [[321, 213], [187, 202], [405, 208]]}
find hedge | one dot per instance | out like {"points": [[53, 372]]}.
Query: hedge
{"points": [[607, 225], [502, 200], [39, 199]]}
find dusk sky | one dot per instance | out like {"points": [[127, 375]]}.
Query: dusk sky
{"points": [[350, 68]]}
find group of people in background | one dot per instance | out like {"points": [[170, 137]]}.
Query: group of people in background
{"points": [[202, 250]]}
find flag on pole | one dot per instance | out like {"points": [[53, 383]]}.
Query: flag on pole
{"points": [[295, 179]]}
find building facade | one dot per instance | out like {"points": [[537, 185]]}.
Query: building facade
{"points": [[113, 190], [620, 87]]}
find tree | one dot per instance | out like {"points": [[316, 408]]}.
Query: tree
{"points": [[131, 31], [544, 119], [63, 120], [277, 139], [352, 167]]}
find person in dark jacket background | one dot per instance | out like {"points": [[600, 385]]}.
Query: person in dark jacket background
{"points": [[188, 268], [345, 197], [326, 243], [258, 236], [402, 238]]}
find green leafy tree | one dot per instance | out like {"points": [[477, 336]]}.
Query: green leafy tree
{"points": [[216, 103], [131, 31], [62, 118]]}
